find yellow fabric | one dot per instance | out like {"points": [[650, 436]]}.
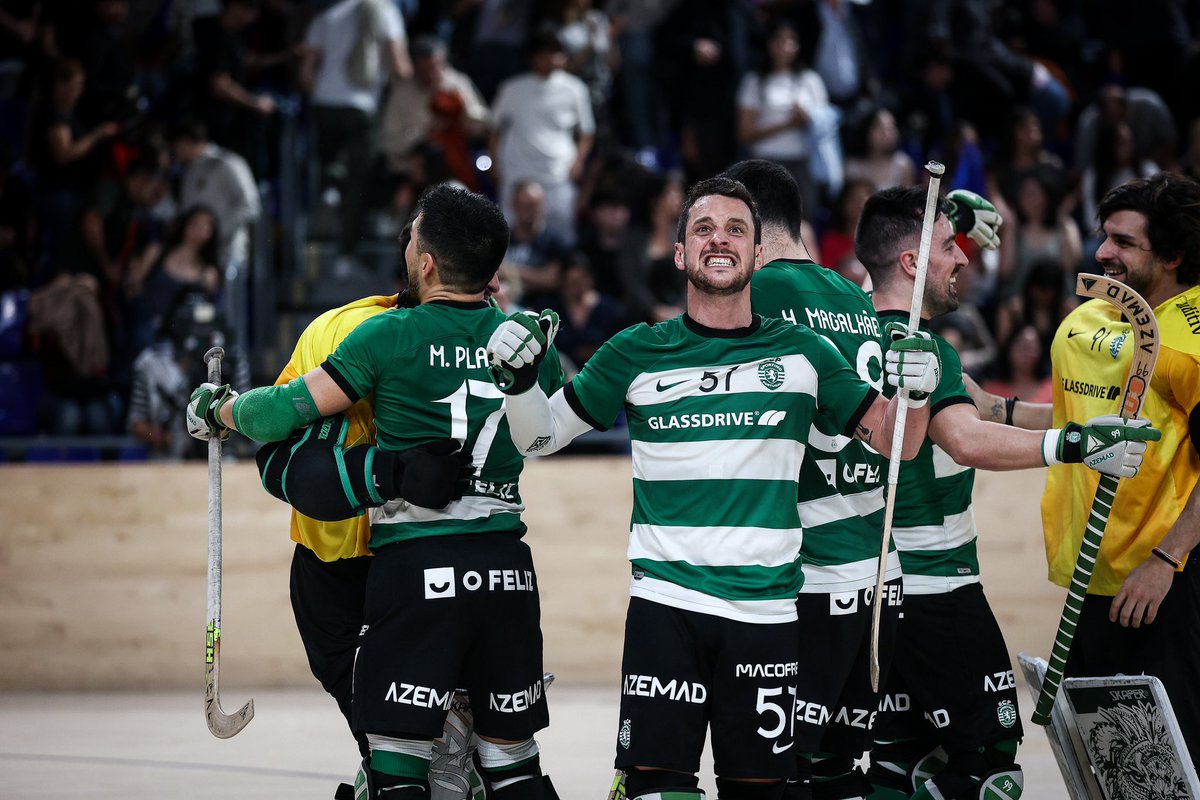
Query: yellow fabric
{"points": [[1085, 374], [344, 538]]}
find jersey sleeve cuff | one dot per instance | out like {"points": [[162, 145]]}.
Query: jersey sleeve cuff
{"points": [[577, 406], [341, 381], [852, 423]]}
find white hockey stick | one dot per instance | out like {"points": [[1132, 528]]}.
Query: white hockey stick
{"points": [[935, 170], [220, 724]]}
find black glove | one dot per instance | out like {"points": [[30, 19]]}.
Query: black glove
{"points": [[431, 475]]}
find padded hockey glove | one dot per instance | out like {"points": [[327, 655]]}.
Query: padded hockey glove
{"points": [[912, 362], [976, 217], [430, 475], [1109, 444], [517, 347], [204, 408]]}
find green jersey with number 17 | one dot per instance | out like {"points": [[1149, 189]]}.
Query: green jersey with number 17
{"points": [[841, 480], [427, 369], [718, 421]]}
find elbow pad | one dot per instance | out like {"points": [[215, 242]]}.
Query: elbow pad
{"points": [[271, 413]]}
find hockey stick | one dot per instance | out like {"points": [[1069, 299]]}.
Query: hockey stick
{"points": [[935, 170], [1145, 353], [220, 724]]}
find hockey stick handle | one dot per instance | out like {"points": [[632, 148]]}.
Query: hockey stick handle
{"points": [[212, 359], [935, 170], [1145, 355]]}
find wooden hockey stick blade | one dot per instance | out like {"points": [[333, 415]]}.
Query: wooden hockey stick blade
{"points": [[935, 170], [220, 724], [1145, 355]]}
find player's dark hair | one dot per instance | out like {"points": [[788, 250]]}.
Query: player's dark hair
{"points": [[774, 189], [890, 219], [1171, 205], [725, 187], [465, 232]]}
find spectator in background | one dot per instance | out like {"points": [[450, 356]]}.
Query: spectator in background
{"points": [[1038, 231], [235, 113], [1022, 370], [873, 152], [437, 104], [221, 181], [1022, 152], [602, 240], [588, 317], [782, 108], [534, 251], [107, 58], [1116, 160], [837, 242], [1042, 303], [66, 157], [499, 38], [350, 50], [543, 130], [655, 289], [830, 31], [638, 82], [186, 262], [1154, 133], [587, 38]]}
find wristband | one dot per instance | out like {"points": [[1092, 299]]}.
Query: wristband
{"points": [[1167, 557], [1050, 447], [1009, 404]]}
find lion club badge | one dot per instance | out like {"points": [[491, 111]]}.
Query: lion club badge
{"points": [[771, 373]]}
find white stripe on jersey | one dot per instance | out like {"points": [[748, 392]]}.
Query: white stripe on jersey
{"points": [[650, 388], [846, 577], [936, 584], [717, 546], [720, 459], [836, 507], [958, 529], [762, 612], [470, 507], [943, 465]]}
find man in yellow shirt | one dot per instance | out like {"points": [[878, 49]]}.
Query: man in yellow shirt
{"points": [[1142, 611]]}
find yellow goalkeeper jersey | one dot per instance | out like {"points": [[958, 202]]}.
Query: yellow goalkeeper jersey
{"points": [[1091, 354], [349, 537]]}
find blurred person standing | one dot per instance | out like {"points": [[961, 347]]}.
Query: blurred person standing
{"points": [[350, 50], [543, 131]]}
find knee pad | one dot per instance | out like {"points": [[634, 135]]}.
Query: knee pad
{"points": [[656, 784], [728, 789], [893, 761], [834, 777], [507, 765], [307, 470]]}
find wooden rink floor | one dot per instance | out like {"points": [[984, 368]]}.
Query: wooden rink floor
{"points": [[102, 615]]}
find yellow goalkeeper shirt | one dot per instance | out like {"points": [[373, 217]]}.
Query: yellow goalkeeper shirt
{"points": [[1091, 354], [349, 537]]}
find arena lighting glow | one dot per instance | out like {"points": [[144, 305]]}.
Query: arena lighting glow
{"points": [[483, 163]]}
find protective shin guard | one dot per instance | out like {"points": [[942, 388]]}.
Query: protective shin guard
{"points": [[892, 761], [746, 790], [307, 469], [643, 784]]}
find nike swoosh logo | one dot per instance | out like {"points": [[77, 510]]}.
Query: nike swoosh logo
{"points": [[776, 749], [660, 387], [1074, 332]]}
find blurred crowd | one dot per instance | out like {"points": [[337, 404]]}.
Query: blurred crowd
{"points": [[142, 140]]}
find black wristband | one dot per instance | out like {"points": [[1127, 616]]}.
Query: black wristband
{"points": [[1009, 404], [1167, 557]]}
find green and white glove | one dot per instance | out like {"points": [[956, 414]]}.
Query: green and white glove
{"points": [[912, 362], [517, 347], [976, 217], [1109, 444], [204, 411]]}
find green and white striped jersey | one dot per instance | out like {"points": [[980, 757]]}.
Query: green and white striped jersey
{"points": [[718, 421], [427, 369], [934, 526], [842, 479]]}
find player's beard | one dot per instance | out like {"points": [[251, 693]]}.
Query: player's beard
{"points": [[697, 277], [414, 282]]}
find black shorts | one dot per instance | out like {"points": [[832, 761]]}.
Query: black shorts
{"points": [[446, 613], [682, 670], [951, 679], [835, 705]]}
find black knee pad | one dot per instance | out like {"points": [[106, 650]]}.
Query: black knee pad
{"points": [[892, 761], [745, 790], [640, 782], [539, 788]]}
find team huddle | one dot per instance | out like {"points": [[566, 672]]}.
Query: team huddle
{"points": [[761, 423]]}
